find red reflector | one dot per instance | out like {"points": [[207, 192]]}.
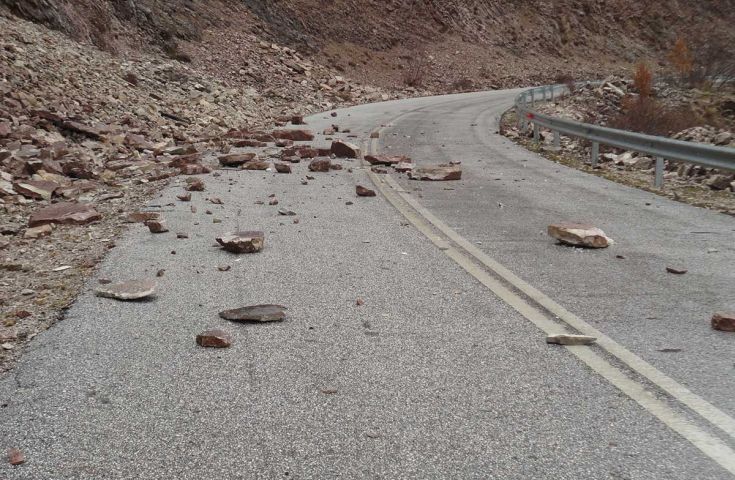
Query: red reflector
{"points": [[529, 115]]}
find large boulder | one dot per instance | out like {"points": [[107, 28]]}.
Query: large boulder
{"points": [[242, 242], [345, 149], [387, 160], [579, 235], [295, 135], [236, 159]]}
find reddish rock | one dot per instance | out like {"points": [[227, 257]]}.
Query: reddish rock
{"points": [[37, 232], [345, 149], [214, 339], [307, 152], [194, 185], [195, 169], [364, 192], [320, 165], [335, 166], [65, 213], [236, 160], [142, 217], [16, 457], [157, 226], [36, 189], [436, 174], [298, 120], [377, 169], [676, 270], [403, 167], [295, 135], [256, 165], [273, 202], [375, 135], [724, 321], [249, 142], [184, 197], [80, 128], [181, 160], [282, 167], [387, 160], [284, 142], [242, 242], [255, 313]]}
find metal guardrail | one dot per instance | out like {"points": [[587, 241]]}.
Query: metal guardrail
{"points": [[658, 147]]}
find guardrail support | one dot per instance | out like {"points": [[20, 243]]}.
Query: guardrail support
{"points": [[594, 156], [533, 101], [658, 181], [557, 139], [536, 136], [551, 92]]}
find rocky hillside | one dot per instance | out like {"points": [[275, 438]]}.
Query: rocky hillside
{"points": [[443, 44]]}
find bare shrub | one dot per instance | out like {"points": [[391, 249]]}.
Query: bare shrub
{"points": [[416, 72], [646, 115], [681, 59], [566, 79], [643, 80]]}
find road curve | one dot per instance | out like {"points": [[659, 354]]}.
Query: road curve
{"points": [[435, 376]]}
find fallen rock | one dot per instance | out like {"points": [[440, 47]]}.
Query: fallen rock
{"points": [[387, 160], [676, 270], [194, 185], [182, 160], [242, 242], [255, 313], [141, 217], [36, 189], [214, 339], [403, 167], [16, 457], [579, 235], [37, 232], [184, 197], [65, 213], [320, 165], [236, 160], [157, 226], [256, 165], [364, 192], [345, 149], [130, 290], [716, 182], [295, 135], [570, 339], [436, 174], [724, 321], [282, 167], [195, 169], [287, 213]]}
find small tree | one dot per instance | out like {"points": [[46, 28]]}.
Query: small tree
{"points": [[643, 80], [681, 59]]}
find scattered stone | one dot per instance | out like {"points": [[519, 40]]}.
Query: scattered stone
{"points": [[715, 182], [142, 217], [328, 391], [225, 268], [403, 167], [570, 339], [374, 134], [387, 160], [16, 457], [295, 135], [214, 339], [216, 201], [282, 167], [242, 242], [130, 290], [255, 313], [256, 165], [194, 185], [285, 212], [335, 166], [104, 281], [436, 174], [184, 197], [161, 272], [724, 321], [65, 213], [195, 169], [380, 170], [236, 160], [320, 165], [273, 202], [345, 150], [27, 292], [157, 226], [36, 189], [182, 235], [579, 235], [360, 302], [364, 192], [38, 232], [333, 114], [676, 270]]}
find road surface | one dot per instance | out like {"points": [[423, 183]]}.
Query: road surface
{"points": [[442, 373]]}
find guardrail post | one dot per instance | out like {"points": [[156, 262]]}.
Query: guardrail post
{"points": [[595, 153], [658, 181], [536, 136], [557, 139], [551, 91], [533, 100]]}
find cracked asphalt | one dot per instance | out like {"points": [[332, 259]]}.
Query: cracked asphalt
{"points": [[433, 377]]}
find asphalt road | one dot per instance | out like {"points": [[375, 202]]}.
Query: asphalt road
{"points": [[433, 377]]}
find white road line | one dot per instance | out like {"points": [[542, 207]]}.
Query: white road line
{"points": [[424, 220]]}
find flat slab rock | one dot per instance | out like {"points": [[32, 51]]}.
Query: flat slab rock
{"points": [[439, 173], [255, 313], [579, 235], [566, 339], [65, 213], [242, 242], [129, 290]]}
